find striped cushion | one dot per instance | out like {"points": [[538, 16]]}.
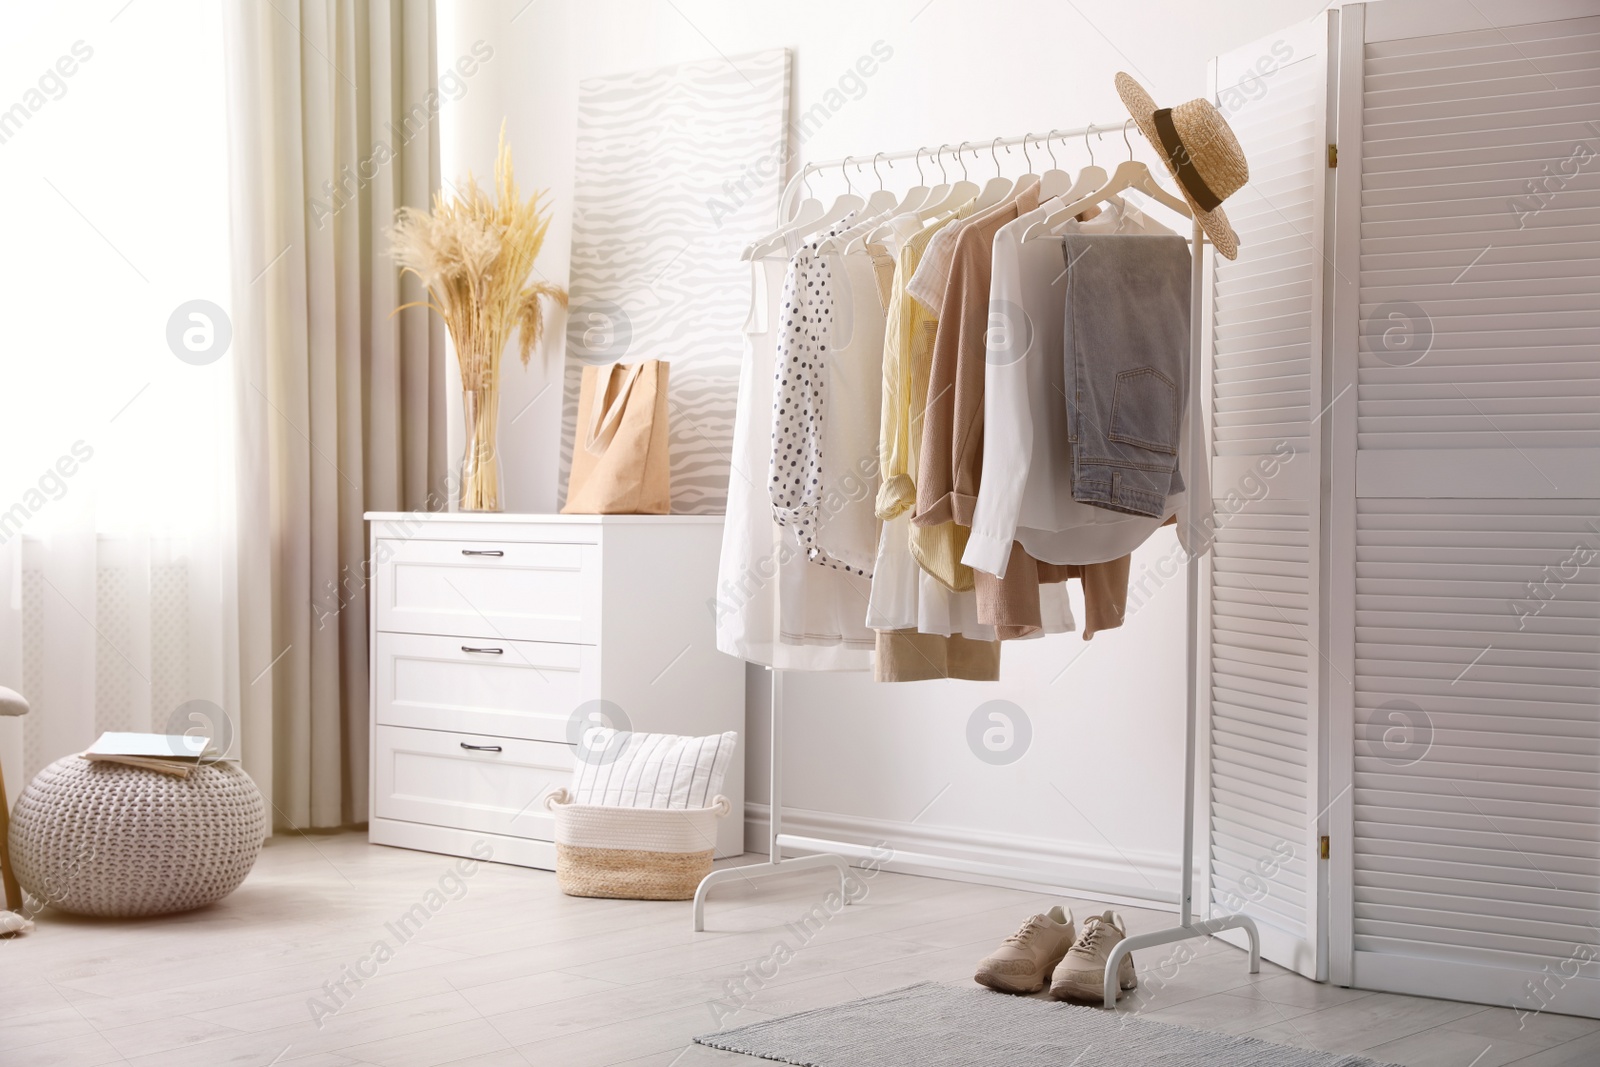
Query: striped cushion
{"points": [[651, 770]]}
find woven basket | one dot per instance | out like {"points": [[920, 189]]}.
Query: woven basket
{"points": [[633, 853]]}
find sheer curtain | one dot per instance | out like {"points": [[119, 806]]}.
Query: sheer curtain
{"points": [[332, 114], [204, 387], [117, 604]]}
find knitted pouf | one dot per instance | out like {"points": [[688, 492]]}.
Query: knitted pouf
{"points": [[112, 840]]}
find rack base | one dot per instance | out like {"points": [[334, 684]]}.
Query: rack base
{"points": [[767, 870], [1204, 928]]}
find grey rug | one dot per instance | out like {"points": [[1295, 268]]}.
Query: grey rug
{"points": [[930, 1025]]}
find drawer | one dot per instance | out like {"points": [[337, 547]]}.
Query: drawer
{"points": [[513, 591], [521, 689], [430, 776]]}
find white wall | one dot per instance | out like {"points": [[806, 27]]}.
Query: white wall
{"points": [[1096, 800]]}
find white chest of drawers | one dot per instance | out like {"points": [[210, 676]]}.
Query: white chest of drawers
{"points": [[494, 636]]}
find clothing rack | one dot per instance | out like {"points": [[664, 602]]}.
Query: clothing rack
{"points": [[822, 853]]}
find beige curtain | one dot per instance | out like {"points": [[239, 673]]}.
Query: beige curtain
{"points": [[333, 124]]}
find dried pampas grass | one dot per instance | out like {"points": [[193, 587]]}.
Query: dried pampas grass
{"points": [[473, 255]]}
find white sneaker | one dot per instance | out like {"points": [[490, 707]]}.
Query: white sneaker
{"points": [[1026, 958]]}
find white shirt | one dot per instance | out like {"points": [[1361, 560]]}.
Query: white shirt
{"points": [[846, 520], [1025, 493]]}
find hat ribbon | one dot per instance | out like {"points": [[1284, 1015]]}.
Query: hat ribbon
{"points": [[1195, 185]]}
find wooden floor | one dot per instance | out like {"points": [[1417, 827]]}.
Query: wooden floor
{"points": [[307, 964]]}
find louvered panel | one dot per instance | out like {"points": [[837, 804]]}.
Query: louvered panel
{"points": [[1237, 321], [1484, 382], [1476, 654], [1253, 765], [1238, 782], [1476, 781], [1426, 266], [1270, 326], [1562, 807], [1466, 160], [1271, 711], [1271, 337], [1263, 303], [1260, 672], [1254, 286], [1461, 913], [1502, 287], [1245, 834], [1529, 41], [1469, 866], [1402, 115], [1580, 234], [1239, 853], [1393, 120], [1263, 319], [1278, 366], [1469, 215], [1381, 191], [1538, 130], [1524, 885], [1493, 78], [1480, 241]]}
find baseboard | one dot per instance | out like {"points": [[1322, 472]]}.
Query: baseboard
{"points": [[1139, 879]]}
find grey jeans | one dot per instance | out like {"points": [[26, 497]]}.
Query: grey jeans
{"points": [[1126, 356]]}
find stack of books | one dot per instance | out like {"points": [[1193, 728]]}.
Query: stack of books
{"points": [[174, 754]]}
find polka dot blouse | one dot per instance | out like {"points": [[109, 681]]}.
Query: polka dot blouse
{"points": [[799, 396]]}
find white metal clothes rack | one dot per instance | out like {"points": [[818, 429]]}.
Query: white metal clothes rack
{"points": [[836, 855]]}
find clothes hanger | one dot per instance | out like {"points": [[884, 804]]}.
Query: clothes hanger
{"points": [[1055, 181], [843, 206], [879, 205], [1090, 178], [1146, 183], [918, 194], [957, 195], [883, 201], [1134, 175], [915, 198], [1129, 175], [997, 188], [938, 192], [803, 221]]}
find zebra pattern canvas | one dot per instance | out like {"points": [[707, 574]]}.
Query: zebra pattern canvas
{"points": [[677, 169]]}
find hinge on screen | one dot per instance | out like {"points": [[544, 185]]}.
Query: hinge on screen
{"points": [[1333, 156], [1324, 846]]}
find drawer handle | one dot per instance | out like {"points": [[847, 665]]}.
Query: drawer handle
{"points": [[482, 552], [481, 748], [490, 651]]}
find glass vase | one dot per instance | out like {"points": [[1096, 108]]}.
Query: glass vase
{"points": [[480, 464]]}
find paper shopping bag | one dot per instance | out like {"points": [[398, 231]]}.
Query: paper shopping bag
{"points": [[619, 460]]}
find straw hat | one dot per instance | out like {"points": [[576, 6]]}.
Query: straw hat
{"points": [[1200, 150]]}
